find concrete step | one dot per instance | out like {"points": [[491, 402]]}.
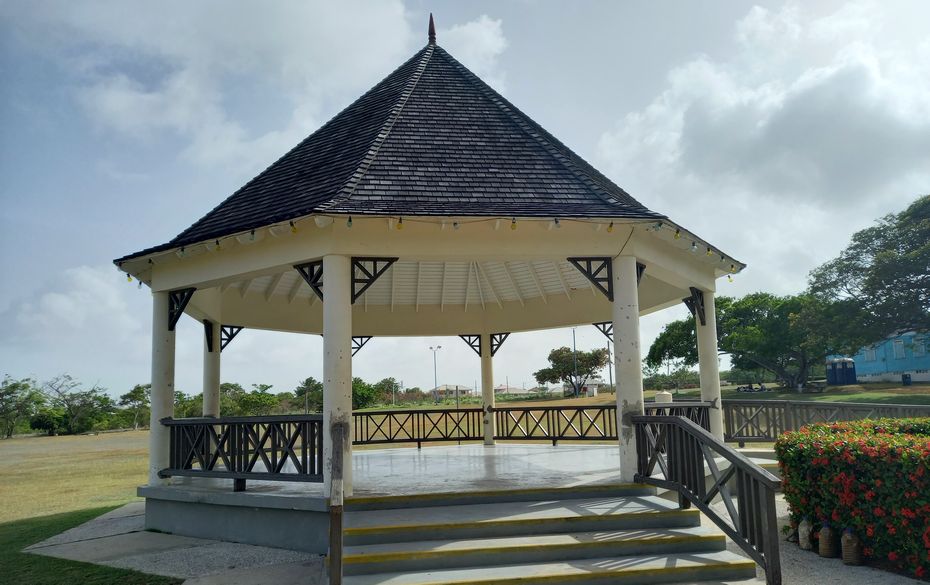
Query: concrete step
{"points": [[376, 502], [514, 518], [482, 552], [640, 570]]}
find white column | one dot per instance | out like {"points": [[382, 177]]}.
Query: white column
{"points": [[487, 388], [627, 360], [337, 363], [709, 365], [211, 373], [162, 387]]}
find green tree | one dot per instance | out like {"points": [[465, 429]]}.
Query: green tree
{"points": [[568, 367], [385, 389], [82, 409], [310, 393], [19, 401], [50, 420], [230, 394], [883, 275], [259, 402], [137, 402], [363, 394]]}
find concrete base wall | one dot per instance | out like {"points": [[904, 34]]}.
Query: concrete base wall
{"points": [[289, 528]]}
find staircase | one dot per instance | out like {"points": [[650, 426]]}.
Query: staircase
{"points": [[602, 534]]}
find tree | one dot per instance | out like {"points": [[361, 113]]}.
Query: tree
{"points": [[783, 335], [230, 393], [310, 392], [568, 367], [883, 274], [137, 402], [19, 401], [385, 389], [260, 401], [50, 420], [363, 393], [81, 409]]}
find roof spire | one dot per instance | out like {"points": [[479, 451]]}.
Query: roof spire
{"points": [[432, 30]]}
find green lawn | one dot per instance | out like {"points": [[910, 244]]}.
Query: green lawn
{"points": [[18, 567]]}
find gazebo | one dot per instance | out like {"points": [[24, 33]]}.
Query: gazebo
{"points": [[430, 206]]}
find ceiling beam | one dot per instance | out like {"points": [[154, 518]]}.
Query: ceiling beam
{"points": [[497, 297], [513, 283], [558, 272], [478, 282], [273, 285], [442, 290], [292, 294], [245, 287], [538, 283]]}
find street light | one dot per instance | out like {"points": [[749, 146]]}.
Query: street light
{"points": [[435, 377]]}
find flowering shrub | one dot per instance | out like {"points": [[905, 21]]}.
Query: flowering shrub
{"points": [[871, 476]]}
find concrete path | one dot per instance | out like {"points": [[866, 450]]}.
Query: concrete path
{"points": [[117, 539]]}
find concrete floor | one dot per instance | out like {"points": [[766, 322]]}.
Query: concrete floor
{"points": [[448, 469]]}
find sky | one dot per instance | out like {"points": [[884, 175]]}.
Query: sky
{"points": [[774, 130]]}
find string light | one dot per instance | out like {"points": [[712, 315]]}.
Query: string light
{"points": [[610, 228], [252, 236], [657, 226], [677, 234], [181, 252], [723, 258], [400, 223], [732, 268], [513, 223], [730, 277], [293, 227], [128, 277], [557, 224], [709, 251], [216, 245], [140, 284], [349, 222], [694, 247], [455, 225]]}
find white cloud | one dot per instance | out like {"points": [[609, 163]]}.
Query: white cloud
{"points": [[812, 128], [478, 44]]}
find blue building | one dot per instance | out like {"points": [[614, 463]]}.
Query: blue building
{"points": [[907, 353]]}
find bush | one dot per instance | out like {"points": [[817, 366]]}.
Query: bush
{"points": [[870, 476]]}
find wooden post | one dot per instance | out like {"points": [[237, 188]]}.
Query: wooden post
{"points": [[339, 431]]}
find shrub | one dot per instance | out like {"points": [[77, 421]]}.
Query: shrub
{"points": [[870, 476]]}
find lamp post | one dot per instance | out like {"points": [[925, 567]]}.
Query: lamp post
{"points": [[574, 364], [435, 376]]}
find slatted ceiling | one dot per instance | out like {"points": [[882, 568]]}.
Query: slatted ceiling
{"points": [[573, 277], [520, 272]]}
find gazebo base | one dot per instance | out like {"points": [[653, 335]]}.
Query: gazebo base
{"points": [[295, 515]]}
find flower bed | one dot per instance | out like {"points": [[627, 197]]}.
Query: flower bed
{"points": [[870, 476]]}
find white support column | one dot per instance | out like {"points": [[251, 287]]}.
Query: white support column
{"points": [[211, 373], [337, 363], [487, 388], [627, 360], [709, 365], [162, 387]]}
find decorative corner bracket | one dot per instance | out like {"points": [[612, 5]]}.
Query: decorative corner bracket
{"points": [[365, 271], [607, 328], [358, 342], [695, 304], [497, 340], [177, 302], [599, 271], [312, 272], [473, 341], [640, 268], [208, 334], [227, 333]]}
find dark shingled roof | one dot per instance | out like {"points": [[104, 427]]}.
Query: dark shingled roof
{"points": [[431, 139]]}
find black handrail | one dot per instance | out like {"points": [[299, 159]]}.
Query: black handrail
{"points": [[684, 452]]}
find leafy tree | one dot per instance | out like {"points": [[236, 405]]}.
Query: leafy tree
{"points": [[385, 389], [19, 400], [568, 367], [676, 346], [137, 402], [310, 392], [81, 409], [363, 394], [260, 401], [50, 420], [883, 275], [230, 393], [783, 335]]}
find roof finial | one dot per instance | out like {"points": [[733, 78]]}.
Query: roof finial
{"points": [[432, 30]]}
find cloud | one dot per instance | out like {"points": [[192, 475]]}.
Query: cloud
{"points": [[478, 44], [812, 127], [143, 70]]}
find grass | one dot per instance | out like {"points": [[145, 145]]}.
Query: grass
{"points": [[19, 567]]}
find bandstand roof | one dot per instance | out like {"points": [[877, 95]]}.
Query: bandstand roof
{"points": [[435, 145]]}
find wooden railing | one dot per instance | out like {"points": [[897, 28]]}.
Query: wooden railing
{"points": [[268, 448], [556, 423], [764, 420], [416, 426], [675, 453]]}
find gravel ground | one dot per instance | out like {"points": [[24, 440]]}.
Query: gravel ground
{"points": [[799, 567]]}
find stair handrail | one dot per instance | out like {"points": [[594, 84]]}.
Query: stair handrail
{"points": [[681, 449]]}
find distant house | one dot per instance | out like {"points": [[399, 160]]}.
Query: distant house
{"points": [[502, 389], [590, 388], [886, 361], [451, 389]]}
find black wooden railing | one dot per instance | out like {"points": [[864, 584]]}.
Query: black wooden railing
{"points": [[675, 453], [764, 420], [416, 426], [276, 448]]}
